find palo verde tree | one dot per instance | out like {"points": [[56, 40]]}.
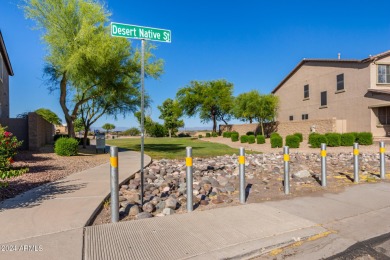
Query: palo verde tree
{"points": [[108, 127], [267, 109], [77, 60], [211, 100], [246, 105], [170, 113]]}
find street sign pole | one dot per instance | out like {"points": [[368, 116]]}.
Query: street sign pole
{"points": [[142, 117]]}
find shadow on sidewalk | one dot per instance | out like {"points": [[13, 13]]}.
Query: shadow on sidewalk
{"points": [[36, 196]]}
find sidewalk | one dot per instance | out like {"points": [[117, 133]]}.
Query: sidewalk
{"points": [[336, 221], [47, 222]]}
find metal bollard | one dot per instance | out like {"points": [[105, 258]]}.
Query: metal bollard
{"points": [[356, 162], [190, 193], [286, 158], [114, 184], [382, 159], [323, 165], [241, 161]]}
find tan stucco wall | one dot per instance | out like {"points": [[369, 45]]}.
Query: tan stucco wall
{"points": [[351, 108]]}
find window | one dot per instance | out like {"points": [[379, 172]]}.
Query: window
{"points": [[306, 91], [291, 118], [384, 74], [305, 116], [324, 101], [384, 115], [340, 82], [1, 68]]}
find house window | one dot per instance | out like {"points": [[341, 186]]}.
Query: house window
{"points": [[305, 116], [384, 115], [340, 82], [384, 74], [1, 68], [291, 118], [306, 91], [324, 101]]}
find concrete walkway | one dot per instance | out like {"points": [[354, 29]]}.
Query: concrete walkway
{"points": [[47, 222], [335, 221]]}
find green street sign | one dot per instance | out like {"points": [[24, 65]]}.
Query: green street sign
{"points": [[140, 32]]}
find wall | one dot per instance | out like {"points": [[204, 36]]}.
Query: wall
{"points": [[4, 92], [286, 128], [19, 127], [40, 132]]}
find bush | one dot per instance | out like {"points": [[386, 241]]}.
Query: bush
{"points": [[293, 141], [311, 137], [300, 136], [355, 135], [134, 131], [200, 136], [214, 134], [227, 134], [58, 136], [244, 139], [183, 135], [274, 134], [260, 139], [334, 139], [66, 146], [208, 135], [317, 139], [234, 137], [251, 139], [158, 130], [250, 133], [365, 138], [276, 141], [347, 139]]}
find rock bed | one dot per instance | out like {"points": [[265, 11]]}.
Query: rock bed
{"points": [[216, 181]]}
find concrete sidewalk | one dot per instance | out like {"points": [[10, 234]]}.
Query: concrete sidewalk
{"points": [[47, 222], [335, 221]]}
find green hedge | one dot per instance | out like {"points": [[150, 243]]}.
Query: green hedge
{"points": [[274, 134], [347, 139], [364, 138], [251, 139], [66, 146], [276, 141], [317, 139], [227, 134], [250, 133], [300, 136], [214, 134], [293, 141], [334, 139], [260, 139], [244, 139], [234, 137], [200, 136], [355, 134], [208, 135]]}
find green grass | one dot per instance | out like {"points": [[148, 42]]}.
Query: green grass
{"points": [[173, 148]]}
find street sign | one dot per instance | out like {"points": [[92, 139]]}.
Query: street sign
{"points": [[140, 32]]}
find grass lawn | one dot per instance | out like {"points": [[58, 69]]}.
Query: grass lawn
{"points": [[173, 148]]}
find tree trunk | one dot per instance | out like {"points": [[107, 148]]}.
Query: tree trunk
{"points": [[262, 128], [250, 120], [68, 117], [170, 133], [214, 122], [85, 136]]}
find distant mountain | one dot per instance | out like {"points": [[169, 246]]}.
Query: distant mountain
{"points": [[195, 128], [119, 128]]}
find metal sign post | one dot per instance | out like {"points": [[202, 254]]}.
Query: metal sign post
{"points": [[142, 33]]}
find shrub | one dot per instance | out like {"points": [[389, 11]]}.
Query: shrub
{"points": [[227, 134], [134, 131], [300, 136], [244, 139], [234, 137], [208, 135], [276, 141], [214, 134], [355, 135], [58, 136], [158, 130], [274, 134], [183, 135], [200, 136], [311, 137], [364, 138], [317, 139], [8, 146], [260, 139], [80, 140], [250, 133], [251, 139], [347, 139], [66, 146], [334, 139], [293, 141]]}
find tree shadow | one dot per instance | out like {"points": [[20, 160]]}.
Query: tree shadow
{"points": [[36, 196], [165, 147], [347, 176], [247, 190], [375, 174]]}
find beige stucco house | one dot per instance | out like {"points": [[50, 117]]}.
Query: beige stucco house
{"points": [[349, 95]]}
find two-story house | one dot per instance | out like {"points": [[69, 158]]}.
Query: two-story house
{"points": [[352, 95], [5, 72]]}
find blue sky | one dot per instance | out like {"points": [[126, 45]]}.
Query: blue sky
{"points": [[253, 44]]}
